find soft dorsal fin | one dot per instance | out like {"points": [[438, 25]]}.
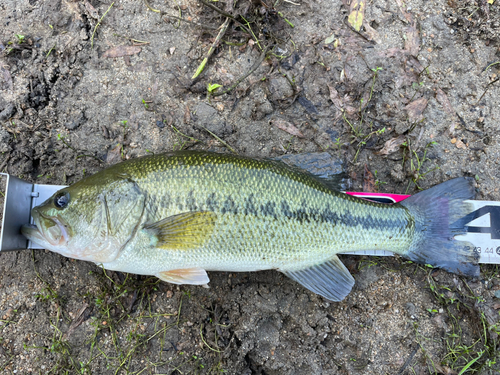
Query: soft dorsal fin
{"points": [[321, 166], [184, 231], [330, 279], [193, 276]]}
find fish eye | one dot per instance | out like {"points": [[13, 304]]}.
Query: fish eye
{"points": [[61, 199]]}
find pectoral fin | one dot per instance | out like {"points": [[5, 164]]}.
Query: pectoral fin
{"points": [[192, 276], [184, 231], [330, 279]]}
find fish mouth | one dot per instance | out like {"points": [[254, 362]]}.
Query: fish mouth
{"points": [[46, 230], [32, 233]]}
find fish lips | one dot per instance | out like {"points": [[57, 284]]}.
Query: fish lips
{"points": [[48, 231]]}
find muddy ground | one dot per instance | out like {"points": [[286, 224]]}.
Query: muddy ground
{"points": [[71, 103]]}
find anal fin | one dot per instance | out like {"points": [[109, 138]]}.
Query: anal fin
{"points": [[330, 279], [192, 276]]}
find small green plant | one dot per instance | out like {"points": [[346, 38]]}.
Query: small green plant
{"points": [[416, 162], [47, 294], [212, 87], [182, 139], [464, 354], [289, 144], [378, 183], [417, 85], [338, 143], [20, 38], [146, 105]]}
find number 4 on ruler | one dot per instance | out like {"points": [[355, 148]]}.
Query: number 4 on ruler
{"points": [[494, 226]]}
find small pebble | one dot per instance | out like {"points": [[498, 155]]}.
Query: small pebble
{"points": [[497, 294]]}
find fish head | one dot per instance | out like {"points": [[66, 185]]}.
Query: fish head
{"points": [[90, 220]]}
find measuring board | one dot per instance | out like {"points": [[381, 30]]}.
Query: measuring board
{"points": [[482, 223]]}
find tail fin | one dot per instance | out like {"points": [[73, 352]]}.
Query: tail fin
{"points": [[438, 212]]}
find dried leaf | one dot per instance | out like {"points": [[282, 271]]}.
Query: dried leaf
{"points": [[356, 14], [121, 51], [416, 108], [80, 317], [335, 97], [392, 145], [496, 306], [92, 11], [114, 155], [412, 43], [444, 370], [287, 127], [371, 33], [369, 181], [187, 115], [451, 129], [330, 39], [442, 98]]}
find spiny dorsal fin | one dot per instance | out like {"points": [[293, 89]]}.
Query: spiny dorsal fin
{"points": [[330, 279], [184, 231], [192, 276]]}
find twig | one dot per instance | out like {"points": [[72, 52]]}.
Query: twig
{"points": [[288, 22], [489, 66], [412, 354], [151, 8], [211, 51], [357, 32], [487, 88], [132, 39], [211, 6], [217, 138], [97, 25], [251, 32], [242, 78]]}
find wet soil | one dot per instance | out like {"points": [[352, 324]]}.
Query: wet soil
{"points": [[414, 97]]}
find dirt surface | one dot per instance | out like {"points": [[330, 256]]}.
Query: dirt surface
{"points": [[72, 102]]}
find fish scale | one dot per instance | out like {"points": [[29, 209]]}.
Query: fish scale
{"points": [[179, 215]]}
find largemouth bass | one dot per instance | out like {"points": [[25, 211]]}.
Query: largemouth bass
{"points": [[181, 214]]}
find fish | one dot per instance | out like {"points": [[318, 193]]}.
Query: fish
{"points": [[178, 215]]}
